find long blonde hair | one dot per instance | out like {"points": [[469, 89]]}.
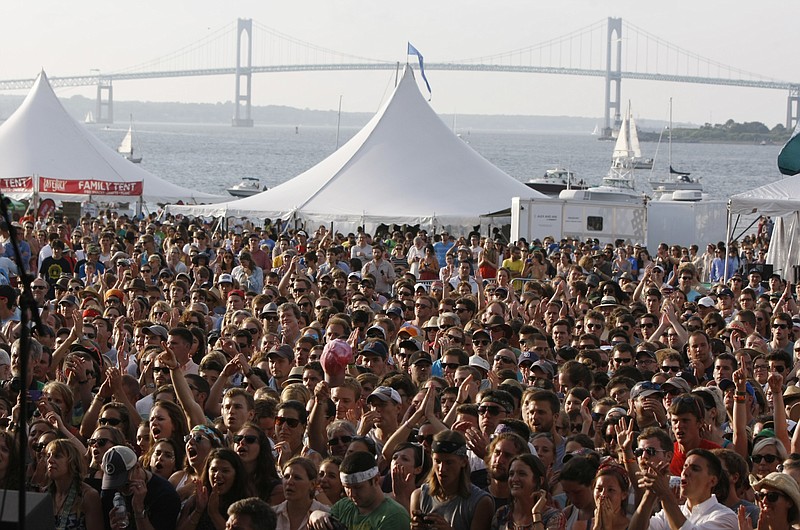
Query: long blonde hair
{"points": [[464, 483]]}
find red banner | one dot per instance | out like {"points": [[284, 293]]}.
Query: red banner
{"points": [[90, 187], [16, 184]]}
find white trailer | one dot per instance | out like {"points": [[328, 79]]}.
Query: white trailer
{"points": [[668, 221], [559, 218]]}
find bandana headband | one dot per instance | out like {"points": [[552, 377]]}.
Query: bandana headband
{"points": [[214, 437], [450, 448], [349, 479]]}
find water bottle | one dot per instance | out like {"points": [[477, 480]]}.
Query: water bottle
{"points": [[120, 509]]}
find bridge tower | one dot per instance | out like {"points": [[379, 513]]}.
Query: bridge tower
{"points": [[792, 107], [613, 76], [104, 87], [241, 117]]}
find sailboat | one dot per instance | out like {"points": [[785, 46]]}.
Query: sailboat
{"points": [[126, 146], [89, 118], [676, 181], [638, 161], [596, 130], [618, 184]]}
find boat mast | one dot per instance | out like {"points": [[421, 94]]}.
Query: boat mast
{"points": [[670, 134], [338, 122]]}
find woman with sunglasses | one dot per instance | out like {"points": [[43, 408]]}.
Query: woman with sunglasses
{"points": [[253, 447], [199, 443], [767, 454], [37, 467], [778, 498], [102, 439], [76, 505]]}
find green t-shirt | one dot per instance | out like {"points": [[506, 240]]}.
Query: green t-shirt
{"points": [[388, 516]]}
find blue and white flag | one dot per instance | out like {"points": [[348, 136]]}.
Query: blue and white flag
{"points": [[413, 51]]}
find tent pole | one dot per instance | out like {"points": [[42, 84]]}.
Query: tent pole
{"points": [[727, 245]]}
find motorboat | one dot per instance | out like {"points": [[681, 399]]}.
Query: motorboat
{"points": [[556, 180], [247, 187], [126, 146]]}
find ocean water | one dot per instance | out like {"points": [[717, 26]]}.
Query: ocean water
{"points": [[212, 157]]}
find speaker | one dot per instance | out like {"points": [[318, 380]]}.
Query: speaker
{"points": [[38, 508]]}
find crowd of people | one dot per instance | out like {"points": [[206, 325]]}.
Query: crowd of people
{"points": [[181, 375]]}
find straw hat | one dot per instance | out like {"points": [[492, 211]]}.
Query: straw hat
{"points": [[785, 484]]}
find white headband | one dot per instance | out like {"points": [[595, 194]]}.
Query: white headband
{"points": [[349, 479]]}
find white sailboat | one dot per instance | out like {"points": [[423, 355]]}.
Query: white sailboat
{"points": [[619, 184], [89, 118], [126, 146], [638, 161], [596, 130]]}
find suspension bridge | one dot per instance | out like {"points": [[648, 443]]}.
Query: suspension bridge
{"points": [[610, 49]]}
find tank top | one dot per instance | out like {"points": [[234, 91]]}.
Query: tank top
{"points": [[458, 511]]}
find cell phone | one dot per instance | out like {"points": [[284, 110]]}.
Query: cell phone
{"points": [[34, 395]]}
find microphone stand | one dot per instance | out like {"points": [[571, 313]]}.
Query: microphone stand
{"points": [[26, 303]]}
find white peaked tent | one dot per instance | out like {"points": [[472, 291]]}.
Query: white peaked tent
{"points": [[780, 200], [404, 166], [42, 140]]}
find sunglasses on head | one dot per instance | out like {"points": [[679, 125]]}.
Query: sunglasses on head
{"points": [[246, 438], [291, 422]]}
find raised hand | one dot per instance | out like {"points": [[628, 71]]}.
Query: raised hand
{"points": [[625, 434]]}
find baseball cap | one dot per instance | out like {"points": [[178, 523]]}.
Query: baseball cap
{"points": [[479, 362], [527, 357], [284, 350], [422, 357], [725, 384], [706, 301], [386, 394], [115, 293], [376, 347], [394, 311], [225, 278], [379, 329], [69, 300], [644, 389], [545, 366], [725, 292], [116, 463], [676, 383], [157, 330], [410, 344]]}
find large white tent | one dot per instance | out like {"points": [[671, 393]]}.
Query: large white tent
{"points": [[404, 166], [41, 139], [780, 200]]}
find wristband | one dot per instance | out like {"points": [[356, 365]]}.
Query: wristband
{"points": [[739, 399], [741, 393], [102, 399]]}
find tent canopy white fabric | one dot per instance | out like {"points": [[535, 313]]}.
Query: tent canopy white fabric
{"points": [[42, 139], [404, 166], [781, 200]]}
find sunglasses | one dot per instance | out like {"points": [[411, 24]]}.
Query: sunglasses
{"points": [[196, 438], [770, 496], [780, 369], [249, 439], [344, 440], [99, 442], [622, 360], [451, 366], [769, 459], [651, 451], [291, 422], [480, 342], [109, 421], [493, 410], [425, 438], [160, 369], [38, 447], [502, 359], [673, 369], [780, 326]]}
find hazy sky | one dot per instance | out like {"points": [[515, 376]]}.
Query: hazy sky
{"points": [[68, 38]]}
